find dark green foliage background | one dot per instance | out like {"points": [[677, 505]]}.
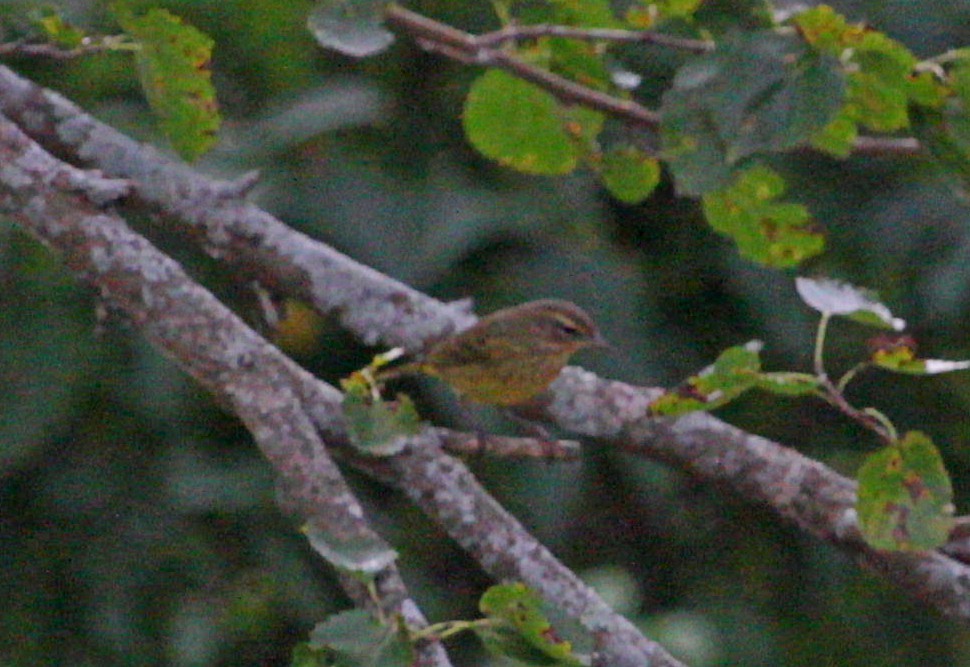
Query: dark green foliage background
{"points": [[137, 524]]}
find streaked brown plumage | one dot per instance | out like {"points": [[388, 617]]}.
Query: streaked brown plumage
{"points": [[511, 355]]}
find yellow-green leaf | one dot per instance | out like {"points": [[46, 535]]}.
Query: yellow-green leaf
{"points": [[629, 174], [770, 232], [173, 64], [736, 370], [377, 427], [520, 629], [903, 359], [59, 30], [838, 137], [521, 126], [905, 496]]}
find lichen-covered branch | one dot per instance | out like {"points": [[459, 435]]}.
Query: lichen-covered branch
{"points": [[279, 402], [801, 490], [61, 206], [378, 308], [445, 489], [374, 307]]}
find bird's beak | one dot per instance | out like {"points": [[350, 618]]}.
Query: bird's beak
{"points": [[599, 341]]}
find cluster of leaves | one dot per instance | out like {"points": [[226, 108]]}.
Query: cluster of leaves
{"points": [[173, 63], [513, 626], [813, 79], [377, 427], [905, 495]]}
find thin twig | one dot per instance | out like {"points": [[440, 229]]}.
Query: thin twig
{"points": [[465, 47], [887, 146], [29, 50], [837, 399], [460, 442], [517, 33]]}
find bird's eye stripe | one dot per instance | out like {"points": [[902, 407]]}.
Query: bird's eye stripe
{"points": [[567, 325]]}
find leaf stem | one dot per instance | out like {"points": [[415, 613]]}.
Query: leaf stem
{"points": [[446, 629], [850, 375], [819, 358], [834, 394], [889, 427]]}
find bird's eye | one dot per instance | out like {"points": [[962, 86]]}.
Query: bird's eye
{"points": [[570, 330]]}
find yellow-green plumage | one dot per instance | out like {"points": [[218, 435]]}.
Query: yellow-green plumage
{"points": [[511, 355]]}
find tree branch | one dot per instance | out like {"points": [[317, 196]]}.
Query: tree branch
{"points": [[378, 308], [804, 492], [460, 45], [481, 50], [279, 402], [54, 202], [516, 33], [24, 49]]}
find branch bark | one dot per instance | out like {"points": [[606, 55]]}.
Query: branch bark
{"points": [[284, 406], [377, 308], [62, 207]]}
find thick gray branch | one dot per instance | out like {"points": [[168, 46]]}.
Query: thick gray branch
{"points": [[812, 496], [55, 202]]}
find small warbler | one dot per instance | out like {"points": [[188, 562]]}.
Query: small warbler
{"points": [[511, 355]]}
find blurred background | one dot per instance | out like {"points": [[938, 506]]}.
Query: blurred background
{"points": [[137, 522]]}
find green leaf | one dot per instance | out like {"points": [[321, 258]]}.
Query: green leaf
{"points": [[773, 233], [58, 30], [834, 297], [520, 629], [376, 427], [585, 13], [827, 30], [878, 93], [360, 641], [523, 127], [173, 65], [581, 62], [352, 27], [757, 92], [903, 359], [365, 553], [838, 137], [881, 82], [787, 383], [305, 656], [629, 174], [736, 370], [905, 496], [945, 131]]}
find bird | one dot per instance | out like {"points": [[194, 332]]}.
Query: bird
{"points": [[511, 355]]}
